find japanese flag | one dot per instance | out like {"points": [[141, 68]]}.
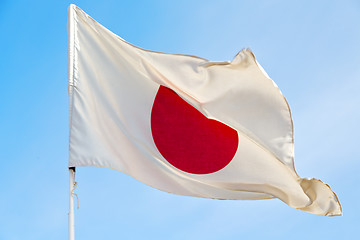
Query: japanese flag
{"points": [[183, 124]]}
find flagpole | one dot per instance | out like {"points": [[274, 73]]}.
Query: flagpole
{"points": [[71, 203]]}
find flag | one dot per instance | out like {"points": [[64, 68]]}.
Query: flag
{"points": [[181, 123]]}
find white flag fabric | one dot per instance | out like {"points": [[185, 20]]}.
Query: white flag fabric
{"points": [[183, 124]]}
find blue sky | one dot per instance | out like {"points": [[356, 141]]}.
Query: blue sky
{"points": [[309, 48]]}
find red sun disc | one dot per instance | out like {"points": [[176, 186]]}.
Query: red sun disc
{"points": [[187, 139]]}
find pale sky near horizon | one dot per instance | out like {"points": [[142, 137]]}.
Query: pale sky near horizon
{"points": [[309, 48]]}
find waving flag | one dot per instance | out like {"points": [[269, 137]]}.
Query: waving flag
{"points": [[183, 124]]}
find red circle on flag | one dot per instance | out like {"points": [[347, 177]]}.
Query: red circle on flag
{"points": [[187, 139]]}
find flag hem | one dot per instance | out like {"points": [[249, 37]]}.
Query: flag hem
{"points": [[72, 63]]}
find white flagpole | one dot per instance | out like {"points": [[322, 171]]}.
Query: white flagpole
{"points": [[71, 203]]}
